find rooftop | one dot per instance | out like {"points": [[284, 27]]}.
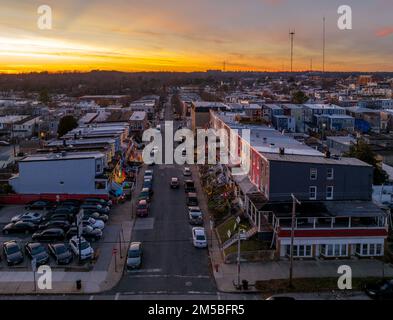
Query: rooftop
{"points": [[62, 156], [318, 160], [138, 115], [267, 139]]}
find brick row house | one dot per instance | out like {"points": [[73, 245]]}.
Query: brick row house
{"points": [[336, 217]]}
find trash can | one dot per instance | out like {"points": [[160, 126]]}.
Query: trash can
{"points": [[78, 284], [245, 284]]}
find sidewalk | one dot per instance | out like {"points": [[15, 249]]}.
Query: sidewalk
{"points": [[226, 274], [106, 272]]}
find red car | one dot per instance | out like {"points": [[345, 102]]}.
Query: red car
{"points": [[142, 208]]}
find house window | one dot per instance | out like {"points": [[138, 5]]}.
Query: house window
{"points": [[330, 173], [369, 249], [300, 251], [313, 174], [313, 193], [334, 250], [329, 193]]}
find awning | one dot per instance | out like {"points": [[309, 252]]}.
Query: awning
{"points": [[245, 185]]}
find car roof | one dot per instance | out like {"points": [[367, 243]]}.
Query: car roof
{"points": [[54, 229], [135, 245], [34, 244], [189, 181], [191, 194], [143, 201], [175, 178], [194, 208], [199, 230], [56, 245], [11, 242]]}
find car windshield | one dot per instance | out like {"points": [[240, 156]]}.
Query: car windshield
{"points": [[61, 249], [195, 214], [200, 237], [133, 254], [12, 249], [142, 206], [84, 245], [37, 250]]}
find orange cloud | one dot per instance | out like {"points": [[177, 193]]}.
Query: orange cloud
{"points": [[384, 32]]}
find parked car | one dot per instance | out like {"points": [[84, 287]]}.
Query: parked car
{"points": [[40, 205], [147, 183], [12, 252], [195, 216], [62, 224], [174, 184], [148, 174], [96, 224], [187, 172], [134, 256], [96, 207], [199, 237], [142, 208], [86, 250], [37, 251], [145, 194], [70, 202], [70, 210], [96, 215], [59, 216], [60, 252], [20, 227], [382, 290], [189, 186], [88, 232], [52, 234], [33, 217], [103, 202], [192, 199]]}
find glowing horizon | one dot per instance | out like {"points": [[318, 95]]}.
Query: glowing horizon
{"points": [[180, 36]]}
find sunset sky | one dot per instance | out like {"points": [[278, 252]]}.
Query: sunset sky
{"points": [[185, 35]]}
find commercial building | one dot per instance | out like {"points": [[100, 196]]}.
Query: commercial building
{"points": [[62, 173]]}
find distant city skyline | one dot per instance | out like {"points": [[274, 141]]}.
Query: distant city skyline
{"points": [[173, 35]]}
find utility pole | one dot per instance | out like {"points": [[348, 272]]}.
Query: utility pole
{"points": [[323, 47], [238, 258], [292, 34], [294, 202]]}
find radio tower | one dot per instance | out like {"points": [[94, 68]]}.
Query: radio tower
{"points": [[323, 50], [292, 34], [224, 65]]}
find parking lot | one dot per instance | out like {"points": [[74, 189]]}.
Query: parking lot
{"points": [[102, 248]]}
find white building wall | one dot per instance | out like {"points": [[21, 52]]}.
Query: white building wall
{"points": [[74, 176]]}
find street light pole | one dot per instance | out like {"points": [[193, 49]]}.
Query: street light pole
{"points": [[238, 258], [294, 202]]}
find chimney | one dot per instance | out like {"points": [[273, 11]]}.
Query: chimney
{"points": [[64, 142], [327, 154], [282, 151]]}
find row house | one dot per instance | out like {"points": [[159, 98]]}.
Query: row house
{"points": [[336, 218]]}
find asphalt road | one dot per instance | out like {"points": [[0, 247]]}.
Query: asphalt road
{"points": [[171, 265]]}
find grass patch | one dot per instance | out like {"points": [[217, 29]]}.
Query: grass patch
{"points": [[247, 246], [305, 285], [229, 224]]}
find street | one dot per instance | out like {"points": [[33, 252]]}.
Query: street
{"points": [[171, 264]]}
